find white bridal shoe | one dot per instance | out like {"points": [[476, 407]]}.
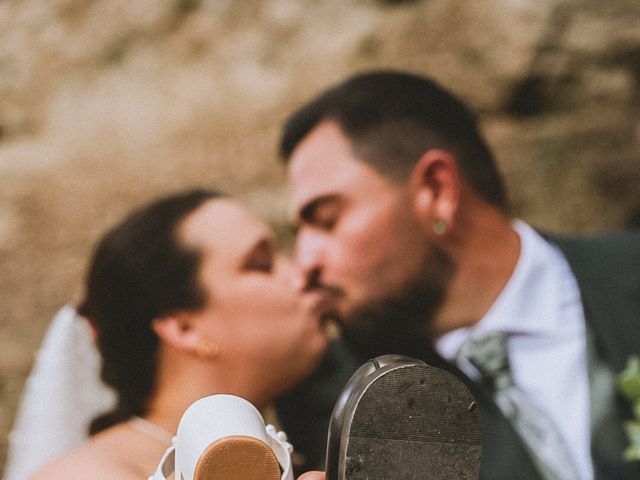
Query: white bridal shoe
{"points": [[223, 437]]}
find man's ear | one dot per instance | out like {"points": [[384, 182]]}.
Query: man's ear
{"points": [[177, 330], [435, 187]]}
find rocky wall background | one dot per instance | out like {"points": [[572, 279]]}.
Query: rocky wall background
{"points": [[108, 103]]}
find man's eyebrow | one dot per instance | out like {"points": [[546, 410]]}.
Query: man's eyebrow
{"points": [[308, 211]]}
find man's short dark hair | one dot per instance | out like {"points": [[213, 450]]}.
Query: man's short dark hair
{"points": [[392, 118]]}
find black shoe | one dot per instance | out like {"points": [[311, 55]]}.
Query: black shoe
{"points": [[400, 419]]}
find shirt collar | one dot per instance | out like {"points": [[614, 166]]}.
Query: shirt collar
{"points": [[525, 304]]}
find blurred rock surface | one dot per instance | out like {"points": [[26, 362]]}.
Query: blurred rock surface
{"points": [[105, 104]]}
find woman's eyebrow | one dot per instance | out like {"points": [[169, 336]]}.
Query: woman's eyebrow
{"points": [[265, 244]]}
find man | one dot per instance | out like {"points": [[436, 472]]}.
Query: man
{"points": [[404, 226]]}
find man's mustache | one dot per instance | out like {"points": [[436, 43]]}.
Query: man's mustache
{"points": [[314, 283]]}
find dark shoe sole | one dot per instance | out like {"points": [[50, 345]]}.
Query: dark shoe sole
{"points": [[401, 419]]}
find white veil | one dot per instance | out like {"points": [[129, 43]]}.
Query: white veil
{"points": [[61, 396]]}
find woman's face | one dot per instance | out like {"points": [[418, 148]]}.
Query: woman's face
{"points": [[267, 329]]}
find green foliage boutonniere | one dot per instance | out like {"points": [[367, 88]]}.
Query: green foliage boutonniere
{"points": [[629, 386]]}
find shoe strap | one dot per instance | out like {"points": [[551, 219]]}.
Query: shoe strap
{"points": [[167, 464], [282, 450], [277, 441]]}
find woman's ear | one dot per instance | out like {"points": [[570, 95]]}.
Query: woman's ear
{"points": [[93, 330], [435, 186], [177, 330]]}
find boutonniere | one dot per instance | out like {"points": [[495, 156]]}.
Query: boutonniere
{"points": [[629, 386]]}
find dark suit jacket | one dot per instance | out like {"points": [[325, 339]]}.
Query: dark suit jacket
{"points": [[607, 269]]}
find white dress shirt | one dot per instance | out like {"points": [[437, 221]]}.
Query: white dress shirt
{"points": [[540, 310]]}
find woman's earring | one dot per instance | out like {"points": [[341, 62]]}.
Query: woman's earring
{"points": [[440, 227], [207, 350]]}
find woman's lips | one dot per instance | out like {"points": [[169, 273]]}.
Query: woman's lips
{"points": [[324, 306]]}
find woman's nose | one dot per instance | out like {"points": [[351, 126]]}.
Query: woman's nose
{"points": [[309, 252], [288, 272]]}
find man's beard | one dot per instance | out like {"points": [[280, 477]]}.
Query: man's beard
{"points": [[401, 321]]}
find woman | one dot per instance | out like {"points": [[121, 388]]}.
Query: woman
{"points": [[187, 297]]}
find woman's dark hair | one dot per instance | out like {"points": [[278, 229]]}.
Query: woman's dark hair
{"points": [[139, 272]]}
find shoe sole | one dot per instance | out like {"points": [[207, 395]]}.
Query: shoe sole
{"points": [[237, 458], [401, 419]]}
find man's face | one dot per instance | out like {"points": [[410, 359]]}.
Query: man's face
{"points": [[361, 244]]}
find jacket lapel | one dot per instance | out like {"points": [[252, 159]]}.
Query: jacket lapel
{"points": [[608, 273], [610, 290]]}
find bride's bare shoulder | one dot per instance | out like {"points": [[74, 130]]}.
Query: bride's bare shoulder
{"points": [[103, 457]]}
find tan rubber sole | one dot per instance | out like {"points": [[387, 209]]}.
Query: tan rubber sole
{"points": [[237, 458]]}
